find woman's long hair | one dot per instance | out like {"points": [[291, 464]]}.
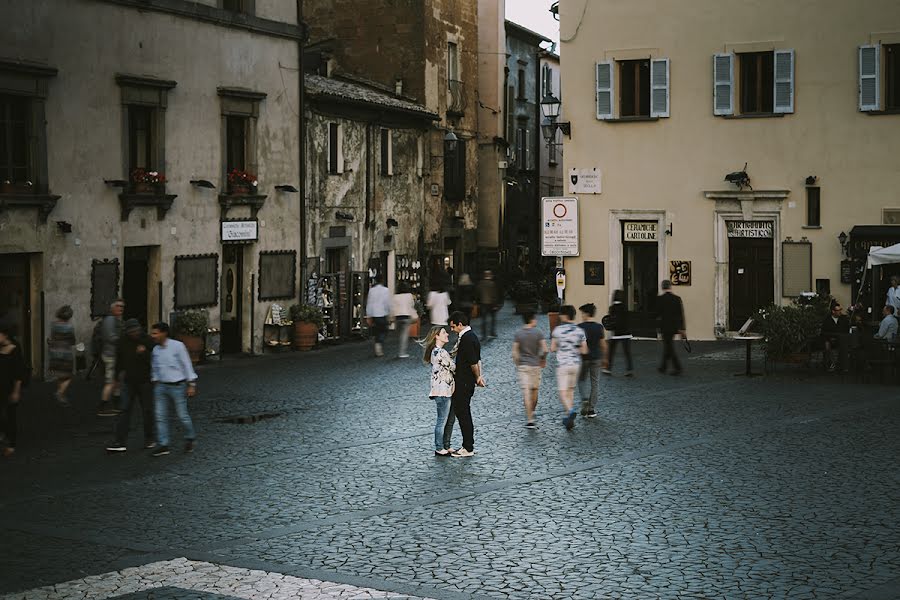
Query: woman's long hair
{"points": [[430, 342]]}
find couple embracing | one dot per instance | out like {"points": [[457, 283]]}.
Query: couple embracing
{"points": [[453, 383]]}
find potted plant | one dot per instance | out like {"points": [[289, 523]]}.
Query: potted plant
{"points": [[241, 183], [190, 329], [146, 182], [307, 323], [12, 187], [525, 295], [789, 329]]}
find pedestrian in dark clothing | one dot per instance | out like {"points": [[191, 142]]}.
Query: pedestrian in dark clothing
{"points": [[835, 328], [12, 377], [670, 312], [488, 295], [620, 330], [591, 364], [465, 295], [468, 377], [133, 369]]}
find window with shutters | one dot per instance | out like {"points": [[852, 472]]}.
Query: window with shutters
{"points": [[520, 91], [633, 89], [335, 149], [235, 143], [455, 170], [387, 153], [15, 144], [757, 81], [753, 83], [813, 206], [892, 77], [546, 80]]}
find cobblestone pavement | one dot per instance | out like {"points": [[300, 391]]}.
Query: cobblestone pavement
{"points": [[701, 486]]}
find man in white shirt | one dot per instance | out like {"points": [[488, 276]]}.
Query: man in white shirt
{"points": [[893, 294], [378, 309], [173, 380], [888, 328]]}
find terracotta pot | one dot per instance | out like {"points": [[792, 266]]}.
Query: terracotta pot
{"points": [[195, 347], [414, 330], [305, 335], [553, 317]]}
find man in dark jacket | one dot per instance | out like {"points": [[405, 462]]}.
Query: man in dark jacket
{"points": [[133, 367], [670, 312], [489, 300], [468, 377], [835, 328]]}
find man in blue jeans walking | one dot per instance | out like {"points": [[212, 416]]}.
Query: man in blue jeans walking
{"points": [[174, 380]]}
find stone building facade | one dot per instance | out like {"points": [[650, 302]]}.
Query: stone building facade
{"points": [[801, 112], [93, 90], [426, 52]]}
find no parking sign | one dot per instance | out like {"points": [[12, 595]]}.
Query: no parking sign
{"points": [[559, 235]]}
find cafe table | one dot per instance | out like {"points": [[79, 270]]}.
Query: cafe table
{"points": [[749, 339]]}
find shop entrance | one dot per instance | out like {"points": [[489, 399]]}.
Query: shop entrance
{"points": [[232, 299], [641, 279], [15, 298], [135, 283], [751, 278]]}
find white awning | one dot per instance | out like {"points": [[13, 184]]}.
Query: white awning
{"points": [[883, 256]]}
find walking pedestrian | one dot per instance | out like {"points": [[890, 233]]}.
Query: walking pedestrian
{"points": [[487, 294], [405, 314], [378, 310], [620, 328], [438, 304], [442, 384], [569, 343], [61, 352], [670, 312], [529, 354], [465, 295], [111, 331], [592, 362], [468, 376], [174, 380], [133, 368], [13, 375]]}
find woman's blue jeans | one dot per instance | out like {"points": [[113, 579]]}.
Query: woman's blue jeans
{"points": [[442, 403]]}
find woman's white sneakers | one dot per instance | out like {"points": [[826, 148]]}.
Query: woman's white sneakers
{"points": [[462, 453]]}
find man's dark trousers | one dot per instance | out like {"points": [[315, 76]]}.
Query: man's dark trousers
{"points": [[132, 393], [490, 313], [669, 352], [460, 402]]}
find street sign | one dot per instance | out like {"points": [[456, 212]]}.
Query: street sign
{"points": [[584, 181], [559, 234], [240, 231]]}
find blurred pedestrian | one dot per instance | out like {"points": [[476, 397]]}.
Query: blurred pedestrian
{"points": [[174, 381], [405, 314], [378, 310], [465, 295], [133, 368], [620, 330], [61, 353], [529, 354], [569, 343], [468, 376], [670, 312], [438, 304], [442, 385], [592, 362], [13, 374], [487, 294], [111, 332]]}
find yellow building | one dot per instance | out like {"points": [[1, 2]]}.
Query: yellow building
{"points": [[667, 98]]}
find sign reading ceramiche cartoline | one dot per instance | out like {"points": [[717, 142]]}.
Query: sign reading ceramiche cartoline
{"points": [[640, 231], [749, 229], [559, 235]]}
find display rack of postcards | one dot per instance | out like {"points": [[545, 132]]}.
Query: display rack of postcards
{"points": [[277, 329], [409, 271], [328, 294], [358, 293]]}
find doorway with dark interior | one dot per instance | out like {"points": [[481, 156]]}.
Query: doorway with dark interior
{"points": [[751, 278], [136, 284], [15, 298], [232, 298], [641, 284]]}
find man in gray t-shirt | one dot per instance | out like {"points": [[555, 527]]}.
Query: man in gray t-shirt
{"points": [[529, 353]]}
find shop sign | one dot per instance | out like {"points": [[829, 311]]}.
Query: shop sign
{"points": [[640, 231], [680, 272], [240, 231], [559, 235], [750, 229], [584, 181]]}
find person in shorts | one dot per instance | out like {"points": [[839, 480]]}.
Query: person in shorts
{"points": [[529, 354], [569, 342], [112, 332]]}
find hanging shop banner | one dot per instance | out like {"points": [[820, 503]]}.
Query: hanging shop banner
{"points": [[750, 229], [640, 231], [240, 231], [559, 235], [584, 181]]}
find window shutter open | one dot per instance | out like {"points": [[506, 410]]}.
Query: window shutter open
{"points": [[605, 90], [784, 81], [869, 75], [723, 84], [659, 87]]}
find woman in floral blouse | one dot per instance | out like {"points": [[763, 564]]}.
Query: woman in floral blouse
{"points": [[442, 384]]}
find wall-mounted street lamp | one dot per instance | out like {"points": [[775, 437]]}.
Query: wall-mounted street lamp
{"points": [[202, 183], [550, 107], [450, 141], [842, 238]]}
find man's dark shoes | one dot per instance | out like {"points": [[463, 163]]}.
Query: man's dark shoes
{"points": [[569, 421], [161, 451], [530, 425], [189, 446]]}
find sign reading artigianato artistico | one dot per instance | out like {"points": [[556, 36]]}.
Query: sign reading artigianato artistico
{"points": [[559, 235], [750, 229]]}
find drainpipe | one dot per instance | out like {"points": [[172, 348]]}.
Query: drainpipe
{"points": [[369, 164], [301, 79], [537, 139]]}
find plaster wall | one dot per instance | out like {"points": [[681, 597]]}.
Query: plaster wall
{"points": [[666, 165], [86, 142]]}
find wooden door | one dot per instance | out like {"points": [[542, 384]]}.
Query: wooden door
{"points": [[751, 278]]}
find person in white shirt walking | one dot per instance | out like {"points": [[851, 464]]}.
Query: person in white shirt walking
{"points": [[405, 314], [378, 310], [569, 342], [438, 303], [174, 380]]}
